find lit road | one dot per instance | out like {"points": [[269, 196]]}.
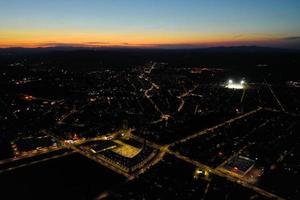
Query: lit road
{"points": [[151, 160], [223, 174], [11, 161], [145, 76], [245, 146], [227, 175], [274, 95], [208, 130], [186, 94], [89, 155], [29, 155], [74, 110], [157, 156]]}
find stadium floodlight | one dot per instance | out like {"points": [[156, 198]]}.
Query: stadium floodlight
{"points": [[237, 86]]}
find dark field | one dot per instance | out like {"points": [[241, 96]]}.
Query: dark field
{"points": [[72, 177]]}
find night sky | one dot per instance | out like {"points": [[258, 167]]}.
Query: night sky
{"points": [[150, 23]]}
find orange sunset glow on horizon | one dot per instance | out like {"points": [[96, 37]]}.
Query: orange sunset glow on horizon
{"points": [[32, 39], [148, 24]]}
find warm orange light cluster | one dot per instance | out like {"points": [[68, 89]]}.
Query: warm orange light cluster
{"points": [[14, 38]]}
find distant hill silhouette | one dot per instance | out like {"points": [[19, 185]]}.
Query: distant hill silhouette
{"points": [[221, 49]]}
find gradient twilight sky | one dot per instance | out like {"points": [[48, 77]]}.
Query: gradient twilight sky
{"points": [[150, 23]]}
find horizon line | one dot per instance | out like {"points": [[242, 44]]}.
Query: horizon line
{"points": [[175, 47]]}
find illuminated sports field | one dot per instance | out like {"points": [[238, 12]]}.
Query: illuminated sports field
{"points": [[126, 150]]}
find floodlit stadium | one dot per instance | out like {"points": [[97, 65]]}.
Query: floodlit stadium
{"points": [[237, 86]]}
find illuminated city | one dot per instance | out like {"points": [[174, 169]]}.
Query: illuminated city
{"points": [[142, 100]]}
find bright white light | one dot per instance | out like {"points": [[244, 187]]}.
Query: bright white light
{"points": [[235, 86]]}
